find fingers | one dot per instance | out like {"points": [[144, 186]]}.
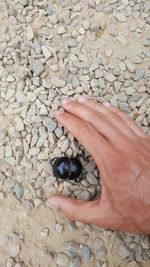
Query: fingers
{"points": [[87, 135], [113, 117], [117, 117], [96, 119]]}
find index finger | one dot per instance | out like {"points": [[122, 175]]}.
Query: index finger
{"points": [[87, 135]]}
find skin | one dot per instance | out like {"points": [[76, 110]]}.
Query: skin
{"points": [[121, 151]]}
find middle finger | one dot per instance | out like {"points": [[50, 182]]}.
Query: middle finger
{"points": [[98, 120]]}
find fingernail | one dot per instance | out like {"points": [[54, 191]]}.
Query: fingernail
{"points": [[59, 112], [65, 101], [106, 104], [82, 99], [52, 204]]}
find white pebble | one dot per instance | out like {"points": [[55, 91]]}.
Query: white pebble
{"points": [[30, 33]]}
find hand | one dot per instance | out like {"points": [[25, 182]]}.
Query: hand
{"points": [[121, 151]]}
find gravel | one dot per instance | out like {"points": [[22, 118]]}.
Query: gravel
{"points": [[50, 50]]}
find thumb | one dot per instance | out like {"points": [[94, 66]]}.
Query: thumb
{"points": [[75, 210]]}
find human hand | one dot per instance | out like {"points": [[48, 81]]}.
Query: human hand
{"points": [[121, 151]]}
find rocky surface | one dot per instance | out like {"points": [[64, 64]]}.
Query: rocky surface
{"points": [[50, 50]]}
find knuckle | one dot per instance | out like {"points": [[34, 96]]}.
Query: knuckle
{"points": [[84, 128], [95, 118], [114, 116]]}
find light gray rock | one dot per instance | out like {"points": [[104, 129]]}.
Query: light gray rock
{"points": [[30, 33], [53, 19], [15, 249], [49, 124], [123, 251], [46, 52], [27, 204], [32, 175], [62, 259], [86, 253], [25, 3], [18, 190], [120, 17], [38, 68], [20, 96], [75, 262], [91, 178], [71, 246], [110, 77], [19, 124], [85, 195], [61, 30]]}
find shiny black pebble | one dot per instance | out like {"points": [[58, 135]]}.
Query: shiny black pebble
{"points": [[67, 168]]}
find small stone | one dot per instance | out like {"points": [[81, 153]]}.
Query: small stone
{"points": [[62, 259], [18, 190], [25, 3], [59, 228], [15, 249], [58, 83], [10, 78], [102, 84], [110, 77], [53, 19], [2, 195], [11, 161], [49, 258], [2, 152], [32, 175], [86, 253], [61, 30], [45, 232], [8, 151], [94, 67], [85, 195], [49, 124], [139, 74], [122, 40], [86, 24], [30, 33], [38, 68], [94, 83], [34, 151], [19, 124], [113, 31], [146, 6], [120, 17], [41, 139], [10, 262], [43, 110], [108, 52], [21, 97], [75, 262], [146, 42], [58, 131], [9, 94], [27, 204], [130, 90], [71, 246], [123, 252], [90, 166], [92, 179], [130, 66], [46, 52]]}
